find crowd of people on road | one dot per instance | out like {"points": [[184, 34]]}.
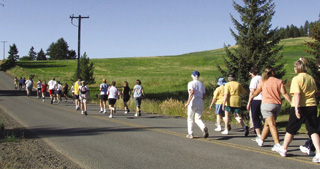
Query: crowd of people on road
{"points": [[264, 103]]}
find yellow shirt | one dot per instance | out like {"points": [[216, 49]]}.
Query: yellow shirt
{"points": [[306, 86], [76, 87], [218, 94], [234, 90]]}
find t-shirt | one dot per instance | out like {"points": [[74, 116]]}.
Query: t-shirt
{"points": [[271, 90], [59, 87], [197, 87], [76, 86], [52, 84], [104, 88], [113, 92], [83, 89], [254, 85], [39, 85], [28, 83], [137, 91], [218, 94], [234, 89], [306, 86], [44, 87]]}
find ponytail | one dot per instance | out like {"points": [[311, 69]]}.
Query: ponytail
{"points": [[268, 72]]}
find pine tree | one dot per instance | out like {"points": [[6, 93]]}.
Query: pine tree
{"points": [[32, 54], [13, 53], [41, 55], [86, 70], [257, 43]]}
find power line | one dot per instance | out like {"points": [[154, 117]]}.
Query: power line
{"points": [[79, 37]]}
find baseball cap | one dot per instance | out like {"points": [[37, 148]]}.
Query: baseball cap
{"points": [[221, 81]]}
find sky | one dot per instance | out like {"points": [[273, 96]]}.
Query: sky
{"points": [[133, 28]]}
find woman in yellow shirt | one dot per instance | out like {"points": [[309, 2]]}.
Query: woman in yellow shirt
{"points": [[303, 109], [218, 95]]}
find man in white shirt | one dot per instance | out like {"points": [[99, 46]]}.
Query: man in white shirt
{"points": [[52, 85], [197, 94]]}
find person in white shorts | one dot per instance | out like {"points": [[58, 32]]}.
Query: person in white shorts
{"points": [[197, 94], [84, 94], [52, 85]]}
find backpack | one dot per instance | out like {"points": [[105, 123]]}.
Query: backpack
{"points": [[83, 90]]}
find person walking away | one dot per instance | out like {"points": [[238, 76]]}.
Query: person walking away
{"points": [[84, 94], [52, 86], [16, 82], [39, 89], [113, 95], [44, 88], [28, 84], [232, 102], [218, 95], [195, 104], [138, 93], [103, 96], [270, 88], [20, 83], [59, 91], [255, 104], [76, 93], [65, 89], [303, 109], [126, 96]]}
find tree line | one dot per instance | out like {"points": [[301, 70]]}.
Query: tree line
{"points": [[293, 31]]}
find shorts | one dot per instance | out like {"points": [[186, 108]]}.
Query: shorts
{"points": [[270, 109], [58, 92], [219, 110], [39, 90], [51, 92], [308, 115], [126, 98], [137, 101], [104, 97], [112, 101], [76, 97], [83, 98], [236, 110]]}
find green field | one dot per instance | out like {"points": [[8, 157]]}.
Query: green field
{"points": [[163, 77]]}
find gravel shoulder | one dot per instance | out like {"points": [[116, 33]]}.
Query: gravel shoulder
{"points": [[20, 148]]}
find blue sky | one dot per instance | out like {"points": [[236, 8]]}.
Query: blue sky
{"points": [[133, 28]]}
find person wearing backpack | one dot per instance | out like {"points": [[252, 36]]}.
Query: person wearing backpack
{"points": [[113, 95], [84, 94]]}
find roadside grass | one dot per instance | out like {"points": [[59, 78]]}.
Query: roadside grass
{"points": [[164, 78]]}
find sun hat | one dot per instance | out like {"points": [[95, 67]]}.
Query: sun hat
{"points": [[196, 73], [221, 81]]}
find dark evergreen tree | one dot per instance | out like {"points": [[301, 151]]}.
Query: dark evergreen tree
{"points": [[58, 50], [306, 28], [32, 54], [41, 55], [86, 70], [257, 42], [13, 53]]}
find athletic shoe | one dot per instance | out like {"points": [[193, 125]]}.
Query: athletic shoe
{"points": [[259, 141], [85, 113], [225, 132], [278, 148], [316, 158], [82, 112], [101, 110], [246, 131], [105, 111], [307, 151], [139, 113], [126, 112], [218, 128], [110, 116], [136, 115], [229, 127], [43, 100], [189, 136], [51, 101], [205, 132]]}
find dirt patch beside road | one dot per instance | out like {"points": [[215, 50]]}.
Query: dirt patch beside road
{"points": [[22, 149]]}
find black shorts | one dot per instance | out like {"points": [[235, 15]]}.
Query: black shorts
{"points": [[112, 101], [308, 115], [104, 97], [126, 98], [76, 97]]}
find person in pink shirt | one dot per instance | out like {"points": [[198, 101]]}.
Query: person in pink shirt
{"points": [[271, 88]]}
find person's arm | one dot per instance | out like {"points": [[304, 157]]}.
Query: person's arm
{"points": [[285, 94], [224, 100], [252, 95], [88, 92], [191, 93], [296, 98], [213, 101], [142, 91]]}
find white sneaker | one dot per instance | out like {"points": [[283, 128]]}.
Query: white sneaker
{"points": [[105, 111], [189, 136], [101, 110], [110, 116], [259, 141], [218, 128], [306, 150], [43, 100], [316, 158], [225, 132], [82, 112], [125, 112], [278, 148]]}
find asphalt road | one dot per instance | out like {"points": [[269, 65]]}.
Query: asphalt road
{"points": [[150, 141]]}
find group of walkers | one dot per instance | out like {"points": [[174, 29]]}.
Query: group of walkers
{"points": [[264, 104]]}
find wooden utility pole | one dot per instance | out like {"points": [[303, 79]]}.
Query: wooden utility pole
{"points": [[4, 49], [79, 37]]}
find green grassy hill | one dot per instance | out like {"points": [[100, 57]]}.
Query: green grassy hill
{"points": [[162, 77]]}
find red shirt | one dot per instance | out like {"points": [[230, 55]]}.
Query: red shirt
{"points": [[44, 87]]}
